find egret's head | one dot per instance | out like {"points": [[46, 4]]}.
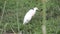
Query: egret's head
{"points": [[35, 8]]}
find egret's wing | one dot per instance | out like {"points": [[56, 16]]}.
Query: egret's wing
{"points": [[28, 16]]}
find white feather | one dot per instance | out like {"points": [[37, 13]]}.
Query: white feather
{"points": [[29, 15]]}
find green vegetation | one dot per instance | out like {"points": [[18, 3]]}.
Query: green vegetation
{"points": [[12, 13]]}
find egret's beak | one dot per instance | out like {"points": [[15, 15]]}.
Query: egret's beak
{"points": [[37, 9]]}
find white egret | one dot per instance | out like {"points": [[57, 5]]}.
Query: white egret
{"points": [[29, 15]]}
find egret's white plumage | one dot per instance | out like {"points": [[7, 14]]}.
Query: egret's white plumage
{"points": [[29, 15]]}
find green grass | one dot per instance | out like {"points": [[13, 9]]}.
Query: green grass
{"points": [[12, 13]]}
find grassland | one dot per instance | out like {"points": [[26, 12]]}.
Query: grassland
{"points": [[12, 13]]}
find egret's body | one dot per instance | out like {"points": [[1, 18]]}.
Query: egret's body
{"points": [[29, 15]]}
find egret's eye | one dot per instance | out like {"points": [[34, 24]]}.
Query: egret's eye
{"points": [[37, 10]]}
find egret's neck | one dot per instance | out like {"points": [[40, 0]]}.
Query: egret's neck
{"points": [[35, 10]]}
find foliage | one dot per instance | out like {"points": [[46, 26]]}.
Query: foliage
{"points": [[16, 9]]}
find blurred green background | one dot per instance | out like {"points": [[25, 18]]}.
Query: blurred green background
{"points": [[12, 13]]}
